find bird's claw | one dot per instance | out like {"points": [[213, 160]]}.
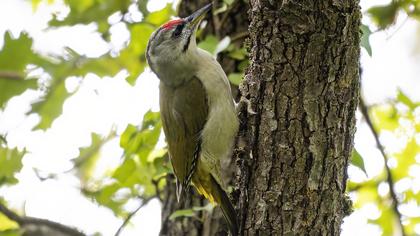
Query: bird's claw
{"points": [[245, 102]]}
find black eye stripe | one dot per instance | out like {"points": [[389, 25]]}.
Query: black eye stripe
{"points": [[178, 30]]}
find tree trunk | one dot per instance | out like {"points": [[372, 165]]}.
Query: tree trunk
{"points": [[292, 154], [303, 84]]}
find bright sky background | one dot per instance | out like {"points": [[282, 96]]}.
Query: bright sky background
{"points": [[98, 106]]}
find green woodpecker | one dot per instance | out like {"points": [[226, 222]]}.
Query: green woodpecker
{"points": [[197, 109]]}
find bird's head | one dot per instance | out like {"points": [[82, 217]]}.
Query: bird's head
{"points": [[172, 43]]}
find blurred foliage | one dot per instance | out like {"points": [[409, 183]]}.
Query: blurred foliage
{"points": [[140, 174], [399, 119], [385, 15], [14, 57], [10, 164]]}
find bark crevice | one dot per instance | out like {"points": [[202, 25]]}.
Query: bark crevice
{"points": [[304, 81]]}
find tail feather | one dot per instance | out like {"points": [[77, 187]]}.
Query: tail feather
{"points": [[220, 196], [179, 190]]}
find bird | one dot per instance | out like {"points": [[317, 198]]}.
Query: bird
{"points": [[197, 108]]}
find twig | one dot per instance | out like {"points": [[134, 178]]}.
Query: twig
{"points": [[227, 14], [3, 139], [215, 21], [79, 161], [25, 220], [239, 35], [12, 75], [395, 203], [398, 29], [125, 222]]}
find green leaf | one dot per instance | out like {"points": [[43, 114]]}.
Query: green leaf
{"points": [[387, 219], [235, 78], [86, 12], [157, 18], [238, 53], [213, 45], [209, 44], [105, 197], [384, 16], [405, 159], [85, 163], [160, 163], [125, 170], [103, 66], [133, 56], [127, 136], [51, 106], [6, 224], [16, 53], [190, 212], [143, 141], [366, 195], [364, 42], [150, 119], [243, 65], [208, 207], [12, 87], [179, 213], [357, 160], [11, 232], [3, 140], [385, 117], [405, 100], [410, 228], [142, 162], [10, 164]]}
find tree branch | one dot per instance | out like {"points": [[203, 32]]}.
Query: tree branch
{"points": [[12, 75], [25, 220], [390, 180], [239, 35], [125, 222]]}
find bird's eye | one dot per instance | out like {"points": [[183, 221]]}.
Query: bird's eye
{"points": [[178, 30]]}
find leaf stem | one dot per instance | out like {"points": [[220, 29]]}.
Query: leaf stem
{"points": [[125, 222]]}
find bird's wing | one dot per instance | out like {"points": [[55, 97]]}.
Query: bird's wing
{"points": [[184, 111]]}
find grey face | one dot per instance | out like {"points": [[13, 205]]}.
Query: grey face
{"points": [[169, 42], [171, 48]]}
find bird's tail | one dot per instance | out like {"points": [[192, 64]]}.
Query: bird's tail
{"points": [[211, 189], [222, 199]]}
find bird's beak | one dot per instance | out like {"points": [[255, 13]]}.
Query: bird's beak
{"points": [[195, 18]]}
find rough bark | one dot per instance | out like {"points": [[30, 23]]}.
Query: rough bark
{"points": [[303, 84]]}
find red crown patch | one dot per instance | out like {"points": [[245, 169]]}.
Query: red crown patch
{"points": [[172, 23]]}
